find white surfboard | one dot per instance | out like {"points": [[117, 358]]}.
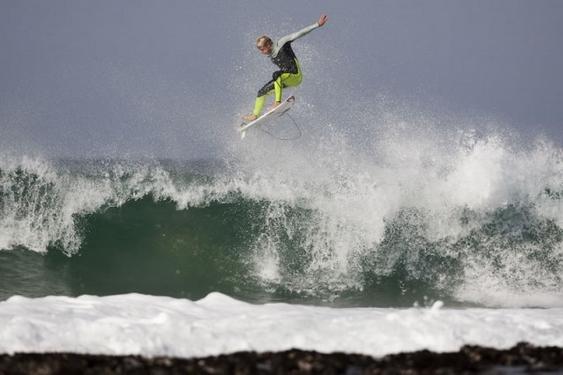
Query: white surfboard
{"points": [[268, 117]]}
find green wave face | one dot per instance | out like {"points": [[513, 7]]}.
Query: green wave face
{"points": [[158, 230]]}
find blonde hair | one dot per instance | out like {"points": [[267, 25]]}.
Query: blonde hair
{"points": [[263, 40]]}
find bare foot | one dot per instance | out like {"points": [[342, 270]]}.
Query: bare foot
{"points": [[274, 105], [249, 118]]}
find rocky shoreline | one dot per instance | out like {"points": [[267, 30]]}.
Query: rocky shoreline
{"points": [[522, 358]]}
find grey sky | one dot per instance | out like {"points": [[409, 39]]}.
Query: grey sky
{"points": [[168, 78]]}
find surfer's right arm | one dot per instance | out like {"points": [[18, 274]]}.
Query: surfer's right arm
{"points": [[298, 34]]}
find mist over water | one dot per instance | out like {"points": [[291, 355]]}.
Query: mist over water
{"points": [[384, 201], [408, 212]]}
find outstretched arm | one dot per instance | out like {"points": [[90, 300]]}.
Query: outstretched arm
{"points": [[298, 34]]}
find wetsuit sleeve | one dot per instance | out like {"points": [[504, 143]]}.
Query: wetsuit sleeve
{"points": [[293, 36]]}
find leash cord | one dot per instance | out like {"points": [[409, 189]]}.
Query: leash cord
{"points": [[295, 125]]}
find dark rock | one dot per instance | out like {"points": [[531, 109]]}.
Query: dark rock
{"points": [[523, 358]]}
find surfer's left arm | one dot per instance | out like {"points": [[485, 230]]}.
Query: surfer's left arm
{"points": [[304, 31]]}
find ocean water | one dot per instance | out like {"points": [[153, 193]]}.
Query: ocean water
{"points": [[406, 233], [480, 226]]}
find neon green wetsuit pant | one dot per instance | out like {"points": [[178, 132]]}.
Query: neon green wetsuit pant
{"points": [[276, 86]]}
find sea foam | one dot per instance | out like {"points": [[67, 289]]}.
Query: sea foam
{"points": [[217, 324]]}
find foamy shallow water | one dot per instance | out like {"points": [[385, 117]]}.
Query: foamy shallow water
{"points": [[154, 326]]}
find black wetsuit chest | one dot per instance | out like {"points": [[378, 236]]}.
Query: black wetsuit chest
{"points": [[286, 59]]}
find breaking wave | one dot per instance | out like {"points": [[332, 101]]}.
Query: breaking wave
{"points": [[468, 219]]}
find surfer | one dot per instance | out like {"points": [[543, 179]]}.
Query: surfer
{"points": [[289, 73]]}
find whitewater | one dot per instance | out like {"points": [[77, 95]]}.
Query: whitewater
{"points": [[415, 238], [217, 324], [418, 205], [477, 222]]}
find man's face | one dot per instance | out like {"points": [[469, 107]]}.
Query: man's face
{"points": [[264, 47]]}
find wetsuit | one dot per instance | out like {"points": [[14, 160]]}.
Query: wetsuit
{"points": [[289, 73]]}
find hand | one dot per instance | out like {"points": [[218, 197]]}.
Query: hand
{"points": [[323, 19]]}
